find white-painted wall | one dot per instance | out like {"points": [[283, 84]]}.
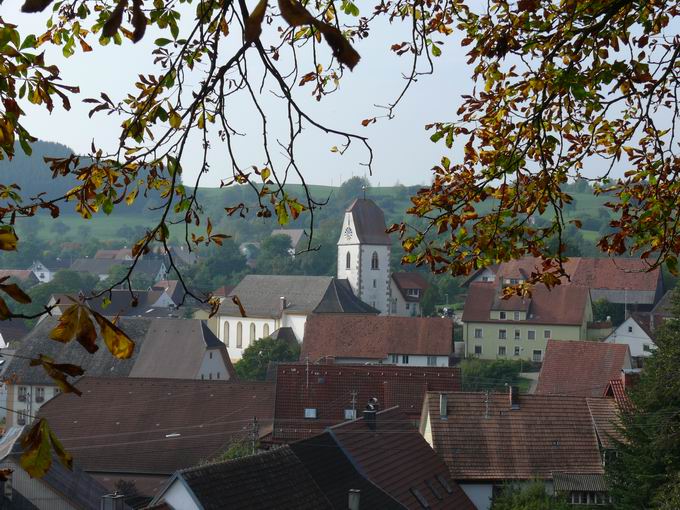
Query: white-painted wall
{"points": [[479, 493], [400, 306], [177, 496], [296, 322], [349, 245], [414, 360], [35, 490], [41, 272], [213, 367], [374, 287], [30, 406], [634, 336], [485, 276]]}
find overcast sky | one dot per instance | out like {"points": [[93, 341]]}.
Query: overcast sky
{"points": [[403, 151]]}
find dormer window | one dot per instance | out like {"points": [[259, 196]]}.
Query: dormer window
{"points": [[413, 292], [502, 315]]}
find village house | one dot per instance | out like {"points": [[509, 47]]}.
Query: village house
{"points": [[310, 398], [626, 281], [412, 341], [270, 302], [636, 333], [147, 429], [520, 327], [164, 348], [154, 268], [488, 440], [60, 488], [581, 368], [44, 273]]}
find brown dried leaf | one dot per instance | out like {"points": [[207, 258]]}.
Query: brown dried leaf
{"points": [[120, 345], [238, 303], [35, 5], [113, 23], [254, 22], [15, 292], [138, 20]]}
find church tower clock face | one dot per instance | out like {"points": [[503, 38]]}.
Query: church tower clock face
{"points": [[348, 233]]}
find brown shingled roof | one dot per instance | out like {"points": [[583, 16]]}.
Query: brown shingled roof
{"points": [[483, 438], [369, 221], [330, 389], [410, 280], [374, 337], [397, 459], [605, 414], [155, 426], [564, 304], [581, 368]]}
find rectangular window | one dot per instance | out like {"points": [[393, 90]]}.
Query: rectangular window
{"points": [[516, 351], [531, 335], [518, 334], [478, 350], [547, 334], [375, 284], [40, 394], [310, 413], [350, 414], [538, 356], [501, 350], [502, 334], [647, 348], [408, 306], [502, 315], [516, 316], [395, 358], [22, 393], [432, 361], [478, 333], [404, 359], [630, 329]]}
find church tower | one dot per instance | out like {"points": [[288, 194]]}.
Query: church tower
{"points": [[364, 253]]}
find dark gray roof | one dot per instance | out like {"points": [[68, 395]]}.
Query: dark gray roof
{"points": [[369, 222], [261, 295], [295, 234], [276, 479], [665, 305], [566, 482], [285, 334], [171, 348], [74, 486], [121, 303], [339, 298], [149, 267]]}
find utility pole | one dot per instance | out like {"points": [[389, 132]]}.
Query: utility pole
{"points": [[255, 427]]}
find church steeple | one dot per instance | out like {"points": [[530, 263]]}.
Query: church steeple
{"points": [[364, 253]]}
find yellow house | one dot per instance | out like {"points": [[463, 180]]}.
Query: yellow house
{"points": [[519, 328]]}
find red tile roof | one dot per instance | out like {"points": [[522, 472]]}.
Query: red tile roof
{"points": [[482, 438], [397, 459], [564, 304], [330, 390], [374, 337], [616, 389], [410, 280], [605, 414], [581, 368], [155, 426], [19, 274]]}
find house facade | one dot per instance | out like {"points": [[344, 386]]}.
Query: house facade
{"points": [[519, 328], [635, 332], [164, 348]]}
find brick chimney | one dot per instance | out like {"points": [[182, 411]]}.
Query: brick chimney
{"points": [[370, 412], [282, 304]]}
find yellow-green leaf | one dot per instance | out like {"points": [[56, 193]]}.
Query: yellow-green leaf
{"points": [[8, 238], [120, 345]]}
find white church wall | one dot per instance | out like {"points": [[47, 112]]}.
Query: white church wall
{"points": [[375, 283]]}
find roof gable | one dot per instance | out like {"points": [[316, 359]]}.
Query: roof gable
{"points": [[369, 222], [581, 368]]}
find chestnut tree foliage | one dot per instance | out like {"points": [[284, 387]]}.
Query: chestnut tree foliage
{"points": [[562, 89]]}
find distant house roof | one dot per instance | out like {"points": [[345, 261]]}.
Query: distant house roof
{"points": [[295, 235], [616, 389], [484, 438], [581, 368], [171, 348], [148, 267], [136, 426], [223, 291], [369, 221], [395, 457], [605, 414], [285, 334], [121, 254], [261, 296], [375, 337], [172, 288], [617, 279], [330, 388], [564, 304], [75, 487], [121, 303], [20, 275], [664, 307], [410, 280], [13, 330]]}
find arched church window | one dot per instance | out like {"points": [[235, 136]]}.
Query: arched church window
{"points": [[265, 331], [374, 261], [252, 332], [239, 335], [348, 261], [225, 334]]}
